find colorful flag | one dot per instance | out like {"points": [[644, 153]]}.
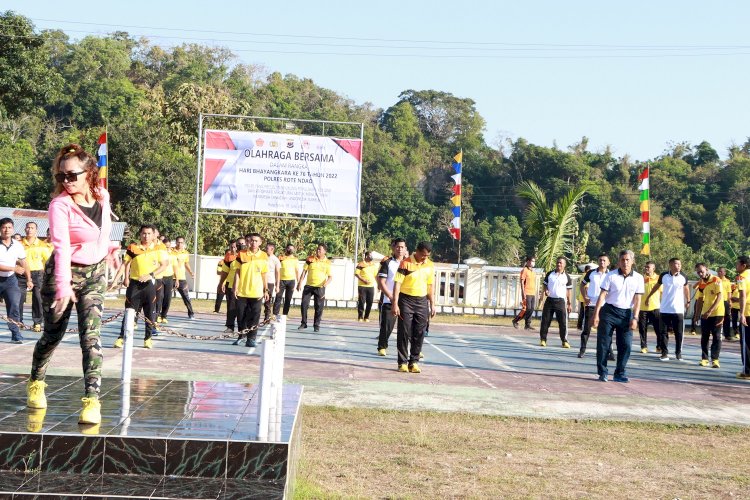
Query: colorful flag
{"points": [[645, 214], [103, 163], [455, 228]]}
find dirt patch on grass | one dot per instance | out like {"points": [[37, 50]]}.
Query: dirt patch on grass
{"points": [[360, 453]]}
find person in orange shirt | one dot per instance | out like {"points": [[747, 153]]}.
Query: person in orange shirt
{"points": [[528, 281]]}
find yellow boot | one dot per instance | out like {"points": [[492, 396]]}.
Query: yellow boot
{"points": [[35, 394], [91, 412]]}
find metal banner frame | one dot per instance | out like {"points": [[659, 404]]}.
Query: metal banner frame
{"points": [[199, 181]]}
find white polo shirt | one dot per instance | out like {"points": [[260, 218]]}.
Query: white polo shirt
{"points": [[672, 293], [274, 265], [10, 254], [388, 270], [594, 279], [557, 284], [622, 288]]}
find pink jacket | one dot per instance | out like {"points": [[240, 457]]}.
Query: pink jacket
{"points": [[75, 238]]}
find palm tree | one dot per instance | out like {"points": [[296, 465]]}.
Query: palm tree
{"points": [[555, 227]]}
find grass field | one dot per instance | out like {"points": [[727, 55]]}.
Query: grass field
{"points": [[358, 453]]}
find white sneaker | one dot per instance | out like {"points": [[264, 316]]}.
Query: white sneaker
{"points": [[229, 330]]}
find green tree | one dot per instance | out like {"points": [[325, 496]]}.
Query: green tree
{"points": [[554, 226], [27, 82]]}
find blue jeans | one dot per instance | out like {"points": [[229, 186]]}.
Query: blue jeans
{"points": [[613, 319], [11, 294]]}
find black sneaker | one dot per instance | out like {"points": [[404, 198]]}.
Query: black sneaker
{"points": [[301, 327], [515, 324], [530, 328], [250, 343], [316, 329], [16, 341], [581, 353]]}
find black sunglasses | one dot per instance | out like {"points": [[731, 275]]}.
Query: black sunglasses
{"points": [[69, 176]]}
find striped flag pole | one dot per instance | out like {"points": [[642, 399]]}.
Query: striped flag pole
{"points": [[103, 159], [455, 228], [643, 187]]}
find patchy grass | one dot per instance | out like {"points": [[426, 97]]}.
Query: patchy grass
{"points": [[361, 453]]}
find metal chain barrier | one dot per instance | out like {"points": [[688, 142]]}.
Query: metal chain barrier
{"points": [[23, 326], [170, 331]]}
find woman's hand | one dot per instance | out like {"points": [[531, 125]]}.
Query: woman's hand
{"points": [[60, 305]]}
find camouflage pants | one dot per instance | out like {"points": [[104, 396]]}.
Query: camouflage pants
{"points": [[89, 284]]}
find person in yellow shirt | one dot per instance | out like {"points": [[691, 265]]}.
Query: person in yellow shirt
{"points": [[743, 287], [726, 288], [413, 305], [166, 278], [365, 273], [226, 279], [180, 261], [251, 287], [649, 305], [317, 272], [735, 312], [142, 262], [288, 278], [712, 315], [38, 253]]}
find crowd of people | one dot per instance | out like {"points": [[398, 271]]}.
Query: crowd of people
{"points": [[69, 270], [619, 301]]}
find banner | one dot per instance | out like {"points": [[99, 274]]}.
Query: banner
{"points": [[285, 173]]}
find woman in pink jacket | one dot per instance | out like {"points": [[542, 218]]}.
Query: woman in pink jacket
{"points": [[76, 274]]}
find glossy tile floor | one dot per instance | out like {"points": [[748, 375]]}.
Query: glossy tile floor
{"points": [[157, 439]]}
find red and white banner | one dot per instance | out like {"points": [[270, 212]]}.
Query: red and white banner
{"points": [[285, 173]]}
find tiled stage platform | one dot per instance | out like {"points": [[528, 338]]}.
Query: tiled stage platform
{"points": [[165, 439]]}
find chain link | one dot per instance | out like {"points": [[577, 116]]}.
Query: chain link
{"points": [[23, 326], [157, 326]]}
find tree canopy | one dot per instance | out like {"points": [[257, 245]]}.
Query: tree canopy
{"points": [[54, 89]]}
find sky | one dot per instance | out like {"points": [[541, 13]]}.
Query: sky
{"points": [[635, 76]]}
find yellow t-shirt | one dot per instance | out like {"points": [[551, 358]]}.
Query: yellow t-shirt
{"points": [[251, 268], [318, 270], [367, 271], [415, 278], [37, 253], [726, 287], [735, 295], [743, 284], [648, 285], [180, 258], [710, 291], [164, 255], [227, 267], [144, 260], [289, 265]]}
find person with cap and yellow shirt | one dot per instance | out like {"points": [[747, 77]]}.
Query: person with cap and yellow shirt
{"points": [[142, 262], [413, 305], [365, 274], [180, 260], [251, 287], [317, 275], [712, 315], [37, 254], [650, 304], [288, 278]]}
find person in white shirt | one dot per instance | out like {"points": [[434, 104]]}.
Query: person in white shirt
{"points": [[386, 273], [272, 278], [557, 286], [590, 288], [12, 254], [617, 311], [675, 300]]}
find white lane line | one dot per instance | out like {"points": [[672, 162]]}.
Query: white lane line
{"points": [[469, 370], [494, 360], [512, 339]]}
